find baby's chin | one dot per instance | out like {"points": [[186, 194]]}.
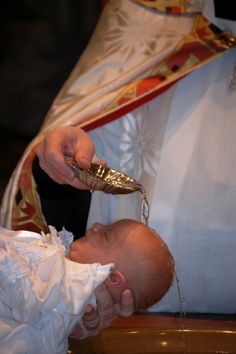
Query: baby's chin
{"points": [[77, 243]]}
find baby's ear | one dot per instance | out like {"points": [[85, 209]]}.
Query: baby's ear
{"points": [[116, 279]]}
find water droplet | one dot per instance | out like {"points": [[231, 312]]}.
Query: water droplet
{"points": [[144, 206]]}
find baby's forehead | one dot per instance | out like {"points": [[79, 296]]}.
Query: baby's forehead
{"points": [[127, 224], [120, 227], [130, 230], [119, 232]]}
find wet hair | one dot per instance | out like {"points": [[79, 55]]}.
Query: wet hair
{"points": [[152, 282], [150, 269]]}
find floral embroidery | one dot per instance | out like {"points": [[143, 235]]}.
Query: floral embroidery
{"points": [[138, 146], [132, 35]]}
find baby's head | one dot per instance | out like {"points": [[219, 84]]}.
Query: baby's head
{"points": [[143, 262]]}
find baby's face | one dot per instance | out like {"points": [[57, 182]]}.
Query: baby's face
{"points": [[97, 245]]}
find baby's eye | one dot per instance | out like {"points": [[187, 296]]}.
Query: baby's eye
{"points": [[106, 235]]}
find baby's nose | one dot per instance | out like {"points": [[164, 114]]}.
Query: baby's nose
{"points": [[97, 227]]}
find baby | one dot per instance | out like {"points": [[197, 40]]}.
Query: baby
{"points": [[143, 263], [43, 294]]}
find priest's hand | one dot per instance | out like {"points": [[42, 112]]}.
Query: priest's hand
{"points": [[64, 142]]}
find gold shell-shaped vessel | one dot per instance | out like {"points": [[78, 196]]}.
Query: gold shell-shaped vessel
{"points": [[103, 178]]}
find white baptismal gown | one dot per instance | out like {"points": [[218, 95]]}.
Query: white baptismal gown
{"points": [[42, 294]]}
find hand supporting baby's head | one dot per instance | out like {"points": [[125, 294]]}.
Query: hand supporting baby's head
{"points": [[142, 260]]}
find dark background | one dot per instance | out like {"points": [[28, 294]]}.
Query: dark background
{"points": [[40, 42]]}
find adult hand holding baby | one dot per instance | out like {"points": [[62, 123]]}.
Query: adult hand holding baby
{"points": [[95, 320]]}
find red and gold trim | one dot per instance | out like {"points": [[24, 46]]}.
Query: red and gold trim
{"points": [[26, 212], [204, 44], [175, 7]]}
